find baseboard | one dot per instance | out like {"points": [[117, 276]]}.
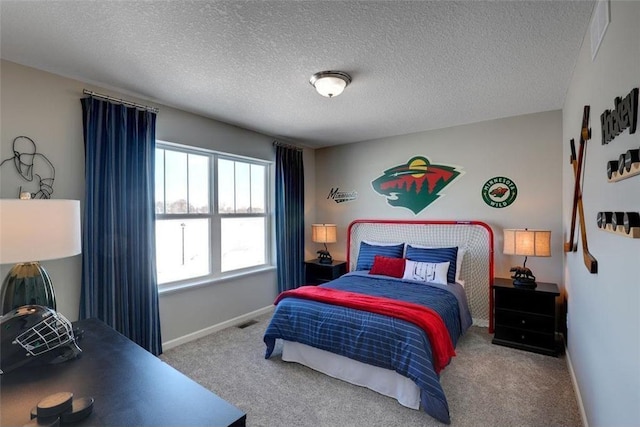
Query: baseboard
{"points": [[215, 328], [576, 389]]}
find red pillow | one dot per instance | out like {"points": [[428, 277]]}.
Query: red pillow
{"points": [[387, 266]]}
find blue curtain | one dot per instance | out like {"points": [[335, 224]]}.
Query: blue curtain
{"points": [[119, 284], [289, 217]]}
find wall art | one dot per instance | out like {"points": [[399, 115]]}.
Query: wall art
{"points": [[627, 165], [32, 166], [342, 196], [416, 184], [623, 116], [499, 192], [585, 134], [623, 223]]}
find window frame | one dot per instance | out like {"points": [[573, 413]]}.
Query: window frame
{"points": [[215, 218]]}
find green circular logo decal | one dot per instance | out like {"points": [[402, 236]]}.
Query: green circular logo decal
{"points": [[499, 192]]}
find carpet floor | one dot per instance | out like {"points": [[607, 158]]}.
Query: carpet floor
{"points": [[485, 384]]}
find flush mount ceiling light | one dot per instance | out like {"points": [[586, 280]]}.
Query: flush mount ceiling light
{"points": [[330, 83]]}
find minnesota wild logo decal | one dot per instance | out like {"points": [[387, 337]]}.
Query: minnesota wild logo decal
{"points": [[416, 184]]}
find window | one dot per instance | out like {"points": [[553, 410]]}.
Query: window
{"points": [[241, 206], [211, 214]]}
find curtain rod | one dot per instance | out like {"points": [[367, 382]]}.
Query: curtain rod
{"points": [[282, 144], [121, 101]]}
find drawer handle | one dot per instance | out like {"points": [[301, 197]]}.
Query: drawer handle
{"points": [[522, 337], [524, 321]]}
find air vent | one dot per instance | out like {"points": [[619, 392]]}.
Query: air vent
{"points": [[247, 324], [599, 24]]}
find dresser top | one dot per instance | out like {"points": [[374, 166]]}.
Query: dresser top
{"points": [[552, 288]]}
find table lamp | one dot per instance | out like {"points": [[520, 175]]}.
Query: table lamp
{"points": [[324, 233], [32, 231], [526, 243]]}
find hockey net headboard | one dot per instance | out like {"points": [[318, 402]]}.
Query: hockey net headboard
{"points": [[476, 238]]}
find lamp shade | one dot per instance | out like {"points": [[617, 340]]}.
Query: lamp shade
{"points": [[527, 242], [38, 230], [324, 233], [330, 83]]}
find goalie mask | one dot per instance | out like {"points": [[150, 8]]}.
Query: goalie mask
{"points": [[34, 332]]}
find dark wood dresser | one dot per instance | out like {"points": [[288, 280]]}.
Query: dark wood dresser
{"points": [[526, 318]]}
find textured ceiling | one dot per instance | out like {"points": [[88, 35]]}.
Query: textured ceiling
{"points": [[416, 65]]}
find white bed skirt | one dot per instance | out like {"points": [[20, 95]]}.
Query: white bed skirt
{"points": [[383, 381]]}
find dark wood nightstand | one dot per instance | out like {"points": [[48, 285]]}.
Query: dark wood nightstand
{"points": [[526, 318], [317, 273]]}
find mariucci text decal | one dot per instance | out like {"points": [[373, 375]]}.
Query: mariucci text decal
{"points": [[342, 196], [415, 184], [499, 192]]}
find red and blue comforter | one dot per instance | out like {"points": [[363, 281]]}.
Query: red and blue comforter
{"points": [[377, 339]]}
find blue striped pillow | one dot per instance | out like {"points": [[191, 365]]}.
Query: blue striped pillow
{"points": [[435, 255], [367, 253]]}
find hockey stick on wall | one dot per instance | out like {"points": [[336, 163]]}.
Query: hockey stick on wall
{"points": [[585, 134]]}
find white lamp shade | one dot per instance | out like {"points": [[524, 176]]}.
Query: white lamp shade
{"points": [[324, 233], [38, 230], [526, 242]]}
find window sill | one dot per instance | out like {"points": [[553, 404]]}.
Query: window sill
{"points": [[183, 286]]}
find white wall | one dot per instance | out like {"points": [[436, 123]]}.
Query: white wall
{"points": [[47, 108], [525, 149], [604, 308]]}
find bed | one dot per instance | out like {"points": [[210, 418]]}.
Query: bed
{"points": [[362, 327]]}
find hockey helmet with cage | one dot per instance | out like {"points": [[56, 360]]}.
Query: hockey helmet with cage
{"points": [[35, 333]]}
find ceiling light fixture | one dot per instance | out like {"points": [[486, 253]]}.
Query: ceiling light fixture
{"points": [[330, 83]]}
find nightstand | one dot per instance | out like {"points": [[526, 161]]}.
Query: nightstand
{"points": [[317, 273], [525, 318]]}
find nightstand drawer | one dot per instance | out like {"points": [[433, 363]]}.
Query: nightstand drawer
{"points": [[317, 272], [523, 337], [531, 302], [524, 320]]}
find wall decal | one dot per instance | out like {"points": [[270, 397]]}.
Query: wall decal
{"points": [[499, 192], [623, 116], [415, 184], [342, 196], [30, 164], [585, 134]]}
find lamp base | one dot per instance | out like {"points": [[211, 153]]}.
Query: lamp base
{"points": [[523, 277], [324, 257], [27, 284]]}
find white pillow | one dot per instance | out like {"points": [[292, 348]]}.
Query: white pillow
{"points": [[371, 242], [426, 272], [459, 257]]}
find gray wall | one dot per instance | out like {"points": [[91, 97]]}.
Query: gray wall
{"points": [[604, 308], [46, 107], [525, 149]]}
